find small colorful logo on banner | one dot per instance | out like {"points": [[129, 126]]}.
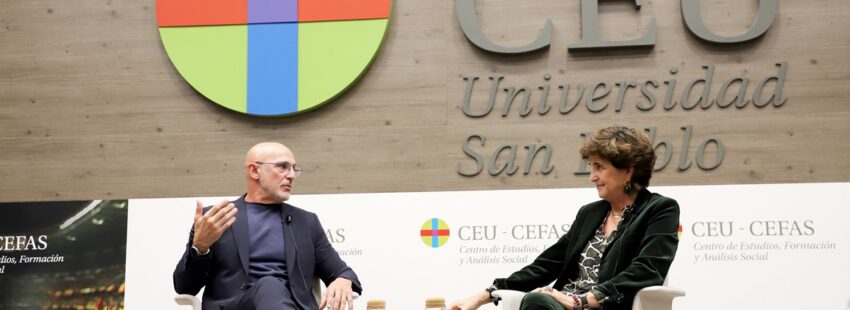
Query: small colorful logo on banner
{"points": [[272, 57], [435, 232], [679, 234]]}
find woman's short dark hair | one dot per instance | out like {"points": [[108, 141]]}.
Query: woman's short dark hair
{"points": [[625, 148]]}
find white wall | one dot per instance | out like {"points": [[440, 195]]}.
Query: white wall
{"points": [[385, 249]]}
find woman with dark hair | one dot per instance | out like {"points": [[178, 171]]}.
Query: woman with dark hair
{"points": [[616, 246]]}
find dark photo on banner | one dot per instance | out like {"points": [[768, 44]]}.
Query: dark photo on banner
{"points": [[63, 255]]}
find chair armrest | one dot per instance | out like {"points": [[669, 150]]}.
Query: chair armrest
{"points": [[656, 298], [188, 300], [509, 299]]}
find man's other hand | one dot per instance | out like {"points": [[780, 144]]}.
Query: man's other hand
{"points": [[338, 295]]}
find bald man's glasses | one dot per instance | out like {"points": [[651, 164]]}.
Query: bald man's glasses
{"points": [[283, 167]]}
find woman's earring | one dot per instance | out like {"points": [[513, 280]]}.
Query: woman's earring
{"points": [[628, 187]]}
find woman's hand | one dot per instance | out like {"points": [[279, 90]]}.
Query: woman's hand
{"points": [[564, 300], [471, 302], [591, 300]]}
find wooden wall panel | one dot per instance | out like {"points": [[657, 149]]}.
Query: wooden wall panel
{"points": [[91, 107]]}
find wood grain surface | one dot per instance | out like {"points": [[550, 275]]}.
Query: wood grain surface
{"points": [[91, 107]]}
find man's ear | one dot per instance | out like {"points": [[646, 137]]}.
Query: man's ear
{"points": [[254, 171]]}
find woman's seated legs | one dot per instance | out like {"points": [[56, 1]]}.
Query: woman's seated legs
{"points": [[539, 301]]}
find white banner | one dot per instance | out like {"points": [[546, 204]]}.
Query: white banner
{"points": [[779, 246]]}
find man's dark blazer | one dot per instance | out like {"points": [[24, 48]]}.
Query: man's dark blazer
{"points": [[224, 271], [638, 256]]}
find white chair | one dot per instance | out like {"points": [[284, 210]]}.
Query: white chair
{"points": [[650, 298], [191, 300]]}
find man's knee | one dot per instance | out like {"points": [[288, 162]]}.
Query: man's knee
{"points": [[539, 301]]}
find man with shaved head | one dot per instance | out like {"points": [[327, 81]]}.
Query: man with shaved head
{"points": [[258, 252]]}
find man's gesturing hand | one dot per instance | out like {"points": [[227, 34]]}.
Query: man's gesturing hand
{"points": [[210, 226]]}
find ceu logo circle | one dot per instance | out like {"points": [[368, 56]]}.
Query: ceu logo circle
{"points": [[272, 57], [434, 232], [679, 232]]}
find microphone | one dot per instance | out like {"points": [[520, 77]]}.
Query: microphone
{"points": [[288, 220], [626, 213]]}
